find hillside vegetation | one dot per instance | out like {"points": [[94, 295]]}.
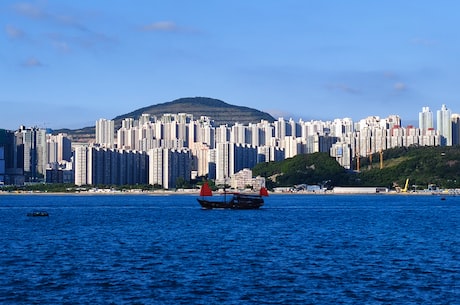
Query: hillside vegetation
{"points": [[421, 165], [317, 168]]}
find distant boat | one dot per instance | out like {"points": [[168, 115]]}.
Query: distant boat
{"points": [[235, 201], [38, 214]]}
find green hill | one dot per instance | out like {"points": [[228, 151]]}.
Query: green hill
{"points": [[217, 110], [421, 165], [317, 168]]}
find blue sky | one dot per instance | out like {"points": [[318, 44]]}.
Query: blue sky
{"points": [[68, 63]]}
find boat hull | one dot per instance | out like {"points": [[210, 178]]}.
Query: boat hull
{"points": [[250, 202], [38, 214]]}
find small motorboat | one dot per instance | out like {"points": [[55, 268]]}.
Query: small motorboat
{"points": [[38, 214]]}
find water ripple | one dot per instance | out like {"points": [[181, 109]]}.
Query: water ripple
{"points": [[165, 250]]}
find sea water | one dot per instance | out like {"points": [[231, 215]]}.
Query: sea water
{"points": [[297, 249]]}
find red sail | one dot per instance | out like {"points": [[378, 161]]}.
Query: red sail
{"points": [[263, 192], [205, 190]]}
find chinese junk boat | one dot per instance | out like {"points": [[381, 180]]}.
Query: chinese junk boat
{"points": [[235, 201]]}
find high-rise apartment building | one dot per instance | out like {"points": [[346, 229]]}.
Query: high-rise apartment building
{"points": [[81, 165], [5, 145], [240, 134], [425, 119], [341, 127], [431, 138], [444, 125], [58, 156], [270, 153], [200, 159], [127, 137], [2, 161], [11, 163], [168, 166], [293, 146], [156, 163], [104, 166], [231, 158], [222, 135], [32, 152], [224, 161], [391, 121], [342, 153], [59, 148], [105, 133], [13, 158], [455, 129]]}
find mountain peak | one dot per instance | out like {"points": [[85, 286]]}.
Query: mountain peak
{"points": [[217, 110]]}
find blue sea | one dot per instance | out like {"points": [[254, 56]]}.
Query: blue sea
{"points": [[297, 249]]}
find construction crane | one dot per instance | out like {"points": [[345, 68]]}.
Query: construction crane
{"points": [[399, 189], [357, 162], [369, 153], [404, 190]]}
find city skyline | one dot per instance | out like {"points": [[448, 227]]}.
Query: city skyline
{"points": [[68, 64], [425, 114], [173, 146]]}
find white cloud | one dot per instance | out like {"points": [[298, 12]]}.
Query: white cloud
{"points": [[343, 88], [161, 26], [61, 46], [400, 87], [36, 12], [63, 38], [29, 10], [32, 62], [14, 32], [423, 42]]}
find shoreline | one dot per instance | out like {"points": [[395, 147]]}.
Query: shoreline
{"points": [[197, 193]]}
